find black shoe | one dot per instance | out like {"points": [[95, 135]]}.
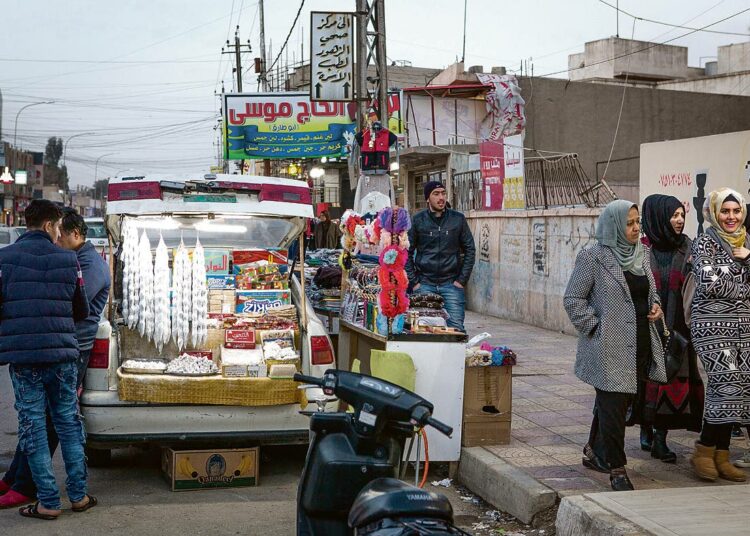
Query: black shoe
{"points": [[591, 461], [647, 437], [660, 450], [620, 482]]}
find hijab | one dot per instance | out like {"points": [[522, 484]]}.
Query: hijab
{"points": [[610, 232], [712, 208], [656, 212]]}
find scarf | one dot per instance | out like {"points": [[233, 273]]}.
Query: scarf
{"points": [[610, 231], [711, 210], [657, 210]]}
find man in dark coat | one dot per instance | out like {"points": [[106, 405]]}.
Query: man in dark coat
{"points": [[441, 253], [42, 298], [96, 278]]}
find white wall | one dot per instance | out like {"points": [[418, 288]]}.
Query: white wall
{"points": [[671, 167]]}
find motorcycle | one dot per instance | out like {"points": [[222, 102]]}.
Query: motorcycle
{"points": [[348, 484]]}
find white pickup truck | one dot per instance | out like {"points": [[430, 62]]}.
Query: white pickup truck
{"points": [[229, 212]]}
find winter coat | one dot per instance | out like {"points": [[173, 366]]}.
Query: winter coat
{"points": [[327, 238], [96, 278], [441, 249], [42, 298], [600, 307]]}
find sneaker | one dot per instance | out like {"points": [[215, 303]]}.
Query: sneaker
{"points": [[744, 461]]}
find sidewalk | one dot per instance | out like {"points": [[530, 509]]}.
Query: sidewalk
{"points": [[552, 414]]}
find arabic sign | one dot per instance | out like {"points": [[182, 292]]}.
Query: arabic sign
{"points": [[331, 56], [285, 125], [493, 174], [514, 188]]}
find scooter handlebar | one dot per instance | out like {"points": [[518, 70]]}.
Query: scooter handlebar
{"points": [[307, 379], [440, 427]]}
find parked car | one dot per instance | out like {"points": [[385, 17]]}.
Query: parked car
{"points": [[97, 233], [9, 235], [227, 212]]}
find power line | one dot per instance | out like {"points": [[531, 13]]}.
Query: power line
{"points": [[302, 4], [669, 24], [649, 47]]}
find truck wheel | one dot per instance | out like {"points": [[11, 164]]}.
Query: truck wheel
{"points": [[98, 457]]}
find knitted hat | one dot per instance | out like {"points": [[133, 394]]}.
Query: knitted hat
{"points": [[430, 186]]}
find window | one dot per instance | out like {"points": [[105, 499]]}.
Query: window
{"points": [[420, 180]]}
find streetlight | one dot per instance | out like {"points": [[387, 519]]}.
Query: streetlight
{"points": [[15, 127], [65, 145], [96, 170]]}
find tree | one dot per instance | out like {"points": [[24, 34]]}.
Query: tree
{"points": [[100, 188], [53, 152]]}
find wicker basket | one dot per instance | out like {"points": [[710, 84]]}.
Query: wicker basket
{"points": [[209, 390]]}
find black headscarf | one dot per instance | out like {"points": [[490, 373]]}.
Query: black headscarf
{"points": [[656, 212], [747, 218]]}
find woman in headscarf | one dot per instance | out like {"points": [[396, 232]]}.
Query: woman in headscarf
{"points": [[612, 301], [720, 327], [677, 405]]}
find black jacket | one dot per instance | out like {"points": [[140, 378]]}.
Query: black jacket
{"points": [[441, 249]]}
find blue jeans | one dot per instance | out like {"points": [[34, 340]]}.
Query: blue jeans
{"points": [[39, 389], [18, 476], [455, 301]]}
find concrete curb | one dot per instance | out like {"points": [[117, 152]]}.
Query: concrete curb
{"points": [[506, 487], [580, 516]]}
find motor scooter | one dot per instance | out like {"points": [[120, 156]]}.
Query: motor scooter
{"points": [[349, 482]]}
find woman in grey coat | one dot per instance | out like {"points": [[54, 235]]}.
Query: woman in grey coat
{"points": [[612, 301]]}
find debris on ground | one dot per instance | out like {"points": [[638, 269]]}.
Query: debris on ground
{"points": [[446, 482]]}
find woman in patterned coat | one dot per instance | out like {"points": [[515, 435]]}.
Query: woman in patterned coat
{"points": [[677, 405], [612, 301], [720, 327]]}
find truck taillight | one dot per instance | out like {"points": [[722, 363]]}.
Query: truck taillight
{"points": [[99, 357], [321, 350], [133, 191]]}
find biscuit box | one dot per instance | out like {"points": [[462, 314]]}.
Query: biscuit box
{"points": [[243, 339], [220, 281], [259, 301], [205, 469]]}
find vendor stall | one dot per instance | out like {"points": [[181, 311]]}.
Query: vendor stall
{"points": [[382, 334]]}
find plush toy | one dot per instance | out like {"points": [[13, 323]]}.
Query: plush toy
{"points": [[393, 224]]}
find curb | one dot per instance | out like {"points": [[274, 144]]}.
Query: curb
{"points": [[578, 515], [505, 486]]}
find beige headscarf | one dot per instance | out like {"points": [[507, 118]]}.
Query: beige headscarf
{"points": [[712, 208]]}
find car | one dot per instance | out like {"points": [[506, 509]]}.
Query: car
{"points": [[231, 211], [8, 235], [97, 233]]}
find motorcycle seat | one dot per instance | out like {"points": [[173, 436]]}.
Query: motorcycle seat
{"points": [[392, 498]]}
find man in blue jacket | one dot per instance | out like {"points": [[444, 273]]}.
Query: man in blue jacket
{"points": [[441, 253], [18, 482], [42, 297]]}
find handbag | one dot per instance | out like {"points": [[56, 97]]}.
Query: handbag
{"points": [[676, 348]]}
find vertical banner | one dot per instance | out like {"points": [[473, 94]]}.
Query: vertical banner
{"points": [[514, 189], [493, 174], [331, 56]]}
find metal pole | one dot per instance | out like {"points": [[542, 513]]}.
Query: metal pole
{"points": [[463, 51], [362, 93], [15, 127], [238, 59], [382, 63], [263, 81]]}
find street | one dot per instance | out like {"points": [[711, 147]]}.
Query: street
{"points": [[134, 498]]}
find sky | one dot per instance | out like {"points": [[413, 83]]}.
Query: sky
{"points": [[135, 82]]}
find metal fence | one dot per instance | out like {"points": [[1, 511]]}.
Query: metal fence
{"points": [[549, 182]]}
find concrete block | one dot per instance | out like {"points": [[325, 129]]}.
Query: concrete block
{"points": [[506, 487], [580, 516]]}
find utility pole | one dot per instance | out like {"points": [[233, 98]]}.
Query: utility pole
{"points": [[236, 49], [371, 46], [263, 81]]}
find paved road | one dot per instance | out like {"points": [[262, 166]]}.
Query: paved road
{"points": [[136, 500]]}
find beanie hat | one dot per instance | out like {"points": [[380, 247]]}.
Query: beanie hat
{"points": [[430, 186]]}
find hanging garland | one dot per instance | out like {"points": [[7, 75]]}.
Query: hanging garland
{"points": [[392, 228]]}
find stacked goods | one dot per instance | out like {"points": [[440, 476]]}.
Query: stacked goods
{"points": [[260, 301], [162, 317], [188, 365], [221, 301], [260, 276], [199, 310]]}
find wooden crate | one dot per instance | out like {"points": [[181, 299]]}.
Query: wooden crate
{"points": [[487, 406]]}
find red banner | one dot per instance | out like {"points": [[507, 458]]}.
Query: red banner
{"points": [[493, 174]]}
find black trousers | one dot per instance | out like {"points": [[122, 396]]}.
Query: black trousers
{"points": [[716, 435], [607, 435]]}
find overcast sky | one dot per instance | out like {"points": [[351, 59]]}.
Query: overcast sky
{"points": [[137, 78]]}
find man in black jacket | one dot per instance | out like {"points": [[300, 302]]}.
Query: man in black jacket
{"points": [[442, 252]]}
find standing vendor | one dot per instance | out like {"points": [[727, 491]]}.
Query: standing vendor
{"points": [[326, 234], [441, 253]]}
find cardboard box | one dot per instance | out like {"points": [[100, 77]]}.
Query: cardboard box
{"points": [[205, 469], [220, 282], [487, 406], [243, 339], [259, 301], [257, 371], [235, 371]]}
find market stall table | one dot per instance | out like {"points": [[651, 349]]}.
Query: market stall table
{"points": [[439, 363]]}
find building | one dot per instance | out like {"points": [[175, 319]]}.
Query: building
{"points": [[16, 188]]}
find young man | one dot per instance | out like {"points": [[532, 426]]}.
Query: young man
{"points": [[42, 297], [18, 481], [442, 253]]}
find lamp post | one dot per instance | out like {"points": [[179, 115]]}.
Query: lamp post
{"points": [[65, 145], [96, 175], [15, 126]]}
